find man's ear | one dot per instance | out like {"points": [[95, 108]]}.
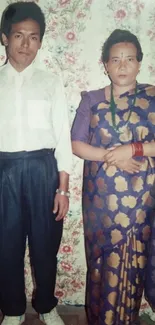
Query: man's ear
{"points": [[4, 39]]}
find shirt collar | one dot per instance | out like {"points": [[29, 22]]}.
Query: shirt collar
{"points": [[26, 73]]}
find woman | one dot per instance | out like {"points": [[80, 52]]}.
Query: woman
{"points": [[114, 132]]}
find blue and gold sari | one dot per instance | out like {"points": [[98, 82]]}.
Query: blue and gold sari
{"points": [[116, 206]]}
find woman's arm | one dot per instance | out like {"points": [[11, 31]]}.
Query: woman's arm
{"points": [[80, 133], [80, 138], [149, 149], [88, 152], [125, 152]]}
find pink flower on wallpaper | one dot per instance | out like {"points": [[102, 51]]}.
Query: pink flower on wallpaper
{"points": [[81, 84], [151, 69], [77, 191], [76, 284], [66, 266], [70, 36], [75, 233], [120, 14], [53, 26], [46, 61], [70, 58], [89, 2], [151, 34], [59, 294], [66, 249], [81, 15], [51, 10], [139, 6], [64, 2]]}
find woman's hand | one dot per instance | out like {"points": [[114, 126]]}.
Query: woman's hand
{"points": [[119, 153], [130, 166]]}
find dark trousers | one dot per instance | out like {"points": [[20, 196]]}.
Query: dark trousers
{"points": [[28, 181]]}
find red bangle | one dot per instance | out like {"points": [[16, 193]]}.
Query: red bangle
{"points": [[133, 149], [137, 149]]}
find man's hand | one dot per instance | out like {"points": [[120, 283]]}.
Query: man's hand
{"points": [[61, 206]]}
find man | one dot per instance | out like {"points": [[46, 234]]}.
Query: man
{"points": [[35, 163]]}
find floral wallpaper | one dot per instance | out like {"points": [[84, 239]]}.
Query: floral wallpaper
{"points": [[76, 30]]}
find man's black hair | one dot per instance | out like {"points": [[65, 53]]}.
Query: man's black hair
{"points": [[21, 11]]}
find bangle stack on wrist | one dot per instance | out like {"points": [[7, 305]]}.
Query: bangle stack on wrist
{"points": [[137, 149], [59, 191]]}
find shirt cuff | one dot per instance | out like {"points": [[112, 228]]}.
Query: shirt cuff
{"points": [[65, 166]]}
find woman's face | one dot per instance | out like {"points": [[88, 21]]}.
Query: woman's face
{"points": [[123, 66]]}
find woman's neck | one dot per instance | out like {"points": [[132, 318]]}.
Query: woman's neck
{"points": [[118, 90]]}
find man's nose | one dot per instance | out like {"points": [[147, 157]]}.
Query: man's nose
{"points": [[25, 42]]}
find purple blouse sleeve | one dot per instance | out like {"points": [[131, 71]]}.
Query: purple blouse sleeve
{"points": [[80, 127]]}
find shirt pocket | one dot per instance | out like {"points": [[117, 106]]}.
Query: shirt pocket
{"points": [[38, 114]]}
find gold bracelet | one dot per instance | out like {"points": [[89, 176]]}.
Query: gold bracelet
{"points": [[58, 191]]}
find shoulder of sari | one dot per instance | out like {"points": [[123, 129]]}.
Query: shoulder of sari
{"points": [[146, 90], [95, 96], [96, 93]]}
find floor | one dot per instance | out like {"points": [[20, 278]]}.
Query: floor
{"points": [[70, 315]]}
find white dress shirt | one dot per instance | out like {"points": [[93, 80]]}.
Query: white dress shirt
{"points": [[33, 113]]}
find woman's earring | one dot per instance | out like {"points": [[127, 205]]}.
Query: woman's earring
{"points": [[105, 72]]}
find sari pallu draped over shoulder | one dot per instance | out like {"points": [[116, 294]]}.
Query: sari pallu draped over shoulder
{"points": [[116, 207]]}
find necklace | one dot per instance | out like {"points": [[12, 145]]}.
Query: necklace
{"points": [[113, 109]]}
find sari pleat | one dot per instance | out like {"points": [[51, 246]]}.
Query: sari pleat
{"points": [[115, 283]]}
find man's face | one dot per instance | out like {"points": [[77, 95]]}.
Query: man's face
{"points": [[23, 43]]}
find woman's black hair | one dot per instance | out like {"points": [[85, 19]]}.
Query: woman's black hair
{"points": [[18, 12], [120, 36]]}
